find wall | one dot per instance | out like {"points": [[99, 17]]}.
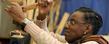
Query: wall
{"points": [[5, 22]]}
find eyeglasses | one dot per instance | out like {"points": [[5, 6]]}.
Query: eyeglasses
{"points": [[73, 22]]}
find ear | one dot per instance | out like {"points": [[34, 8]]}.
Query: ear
{"points": [[88, 29]]}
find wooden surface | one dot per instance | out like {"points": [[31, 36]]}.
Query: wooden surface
{"points": [[62, 23]]}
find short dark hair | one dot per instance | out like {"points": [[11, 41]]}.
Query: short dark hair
{"points": [[92, 17]]}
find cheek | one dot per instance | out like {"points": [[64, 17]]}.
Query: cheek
{"points": [[75, 32], [78, 30]]}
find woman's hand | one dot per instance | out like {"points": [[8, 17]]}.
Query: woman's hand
{"points": [[44, 8], [15, 11]]}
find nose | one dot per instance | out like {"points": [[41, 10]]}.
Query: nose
{"points": [[67, 25]]}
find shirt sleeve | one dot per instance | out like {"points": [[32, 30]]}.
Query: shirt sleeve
{"points": [[61, 38], [90, 42], [39, 35], [42, 24]]}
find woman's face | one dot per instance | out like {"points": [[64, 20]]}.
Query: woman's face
{"points": [[75, 27]]}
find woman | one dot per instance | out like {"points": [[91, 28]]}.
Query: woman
{"points": [[82, 27]]}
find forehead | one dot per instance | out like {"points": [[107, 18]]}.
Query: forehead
{"points": [[77, 15]]}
